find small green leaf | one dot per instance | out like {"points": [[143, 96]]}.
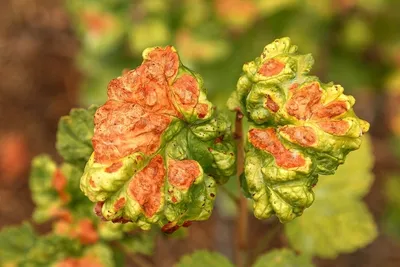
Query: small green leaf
{"points": [[338, 222], [204, 258], [15, 242], [142, 242], [283, 258], [74, 136]]}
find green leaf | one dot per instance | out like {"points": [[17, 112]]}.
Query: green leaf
{"points": [[282, 258], [15, 242], [338, 222], [299, 128], [74, 136], [159, 146], [204, 258]]}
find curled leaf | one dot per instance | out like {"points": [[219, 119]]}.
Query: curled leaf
{"points": [[299, 128], [159, 146]]}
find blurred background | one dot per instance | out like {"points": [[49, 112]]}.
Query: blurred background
{"points": [[55, 55]]}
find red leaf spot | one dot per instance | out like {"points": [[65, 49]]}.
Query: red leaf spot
{"points": [[170, 227], [119, 204], [266, 139], [91, 182], [271, 67], [219, 139], [271, 104], [86, 232], [146, 185], [332, 110], [59, 183], [186, 91], [182, 173], [303, 101], [202, 110], [293, 86], [334, 127], [174, 200], [302, 135], [114, 167]]}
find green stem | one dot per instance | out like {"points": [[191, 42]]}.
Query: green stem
{"points": [[241, 245]]}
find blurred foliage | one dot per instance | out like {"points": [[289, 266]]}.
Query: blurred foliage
{"points": [[338, 221], [391, 218], [356, 39]]}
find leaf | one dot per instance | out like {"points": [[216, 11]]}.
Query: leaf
{"points": [[282, 258], [142, 242], [299, 128], [15, 242], [55, 190], [204, 258], [338, 222], [74, 136], [159, 147], [99, 255]]}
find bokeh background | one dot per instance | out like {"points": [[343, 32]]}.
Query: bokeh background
{"points": [[55, 55]]}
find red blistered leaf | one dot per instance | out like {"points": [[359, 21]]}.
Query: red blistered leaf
{"points": [[302, 135], [146, 187], [182, 173], [266, 139], [271, 68], [303, 101], [334, 127]]}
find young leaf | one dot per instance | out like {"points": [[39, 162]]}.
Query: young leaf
{"points": [[15, 242], [204, 258], [159, 146], [74, 135], [299, 128], [338, 222], [282, 258]]}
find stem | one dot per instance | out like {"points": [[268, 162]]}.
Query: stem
{"points": [[242, 219]]}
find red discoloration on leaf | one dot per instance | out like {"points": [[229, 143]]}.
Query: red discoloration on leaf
{"points": [[294, 86], [140, 107], [123, 129], [334, 127], [86, 232], [121, 220], [219, 139], [62, 214], [146, 186], [303, 101], [266, 139], [182, 173], [119, 204], [271, 67], [92, 183], [331, 110], [174, 200], [302, 135], [170, 227], [87, 261], [186, 91], [114, 167], [202, 110], [271, 104], [59, 183]]}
